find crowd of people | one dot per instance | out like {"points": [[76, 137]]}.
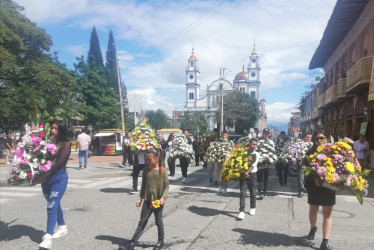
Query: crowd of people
{"points": [[157, 166]]}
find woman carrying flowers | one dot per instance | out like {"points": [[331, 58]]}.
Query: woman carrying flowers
{"points": [[54, 183], [154, 192], [319, 196]]}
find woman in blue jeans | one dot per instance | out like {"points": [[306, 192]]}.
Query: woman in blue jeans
{"points": [[54, 184]]}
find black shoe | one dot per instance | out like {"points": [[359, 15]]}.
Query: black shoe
{"points": [[325, 245], [127, 246], [312, 232], [80, 166], [171, 174], [215, 182], [159, 245]]}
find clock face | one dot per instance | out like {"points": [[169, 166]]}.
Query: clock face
{"points": [[191, 77], [253, 60], [253, 74]]}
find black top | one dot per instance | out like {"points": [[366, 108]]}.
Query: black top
{"points": [[189, 140], [8, 141], [196, 145], [163, 144], [61, 157]]}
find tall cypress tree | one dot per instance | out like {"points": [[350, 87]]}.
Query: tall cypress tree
{"points": [[94, 57], [111, 62]]}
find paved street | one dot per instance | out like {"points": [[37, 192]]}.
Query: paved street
{"points": [[101, 214]]}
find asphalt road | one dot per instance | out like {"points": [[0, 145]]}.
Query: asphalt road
{"points": [[101, 214]]}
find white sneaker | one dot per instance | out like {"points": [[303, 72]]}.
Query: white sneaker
{"points": [[252, 211], [241, 215], [224, 190], [47, 242], [184, 179], [219, 189], [61, 231]]}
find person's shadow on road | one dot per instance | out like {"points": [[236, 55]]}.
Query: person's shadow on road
{"points": [[267, 239], [12, 232], [203, 211]]}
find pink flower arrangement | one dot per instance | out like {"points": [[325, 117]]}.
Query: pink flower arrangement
{"points": [[335, 166], [32, 157]]}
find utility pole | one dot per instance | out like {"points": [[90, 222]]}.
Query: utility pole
{"points": [[120, 97], [221, 88]]}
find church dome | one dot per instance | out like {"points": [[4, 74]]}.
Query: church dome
{"points": [[241, 76]]}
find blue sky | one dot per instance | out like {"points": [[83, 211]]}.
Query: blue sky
{"points": [[154, 40]]}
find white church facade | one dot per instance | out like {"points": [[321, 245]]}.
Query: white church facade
{"points": [[247, 81]]}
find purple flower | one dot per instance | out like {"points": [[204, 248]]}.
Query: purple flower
{"points": [[36, 148], [36, 140], [51, 148], [321, 157], [348, 181], [19, 152]]}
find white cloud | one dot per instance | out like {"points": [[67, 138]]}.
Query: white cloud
{"points": [[77, 50], [280, 111], [287, 32]]}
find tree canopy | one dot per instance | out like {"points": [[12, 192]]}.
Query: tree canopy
{"points": [[239, 110], [158, 119], [27, 71], [195, 122]]}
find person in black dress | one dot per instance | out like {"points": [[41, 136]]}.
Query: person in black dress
{"points": [[319, 196]]}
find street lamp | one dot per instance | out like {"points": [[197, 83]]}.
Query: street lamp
{"points": [[120, 97]]}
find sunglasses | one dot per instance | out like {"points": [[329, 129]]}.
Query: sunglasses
{"points": [[320, 138]]}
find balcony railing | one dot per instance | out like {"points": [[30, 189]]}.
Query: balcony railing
{"points": [[331, 94], [321, 101], [316, 113], [359, 73], [342, 87]]}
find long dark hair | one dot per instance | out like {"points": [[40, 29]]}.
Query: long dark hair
{"points": [[62, 131], [157, 153], [169, 138]]}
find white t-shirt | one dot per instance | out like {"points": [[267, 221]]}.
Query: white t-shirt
{"points": [[254, 164], [358, 146], [141, 158], [84, 141]]}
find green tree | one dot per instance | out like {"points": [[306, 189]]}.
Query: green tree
{"points": [[101, 103], [239, 110], [94, 57], [195, 122], [158, 119], [111, 62], [27, 71]]}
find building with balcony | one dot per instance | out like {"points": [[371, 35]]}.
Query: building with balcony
{"points": [[339, 104]]}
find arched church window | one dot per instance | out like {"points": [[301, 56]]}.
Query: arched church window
{"points": [[191, 96], [191, 64], [253, 94]]}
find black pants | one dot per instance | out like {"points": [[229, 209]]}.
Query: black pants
{"points": [[135, 174], [128, 156], [251, 184], [197, 159], [184, 165], [171, 164], [282, 170], [144, 216], [262, 179]]}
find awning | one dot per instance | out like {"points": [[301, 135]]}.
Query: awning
{"points": [[103, 134]]}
